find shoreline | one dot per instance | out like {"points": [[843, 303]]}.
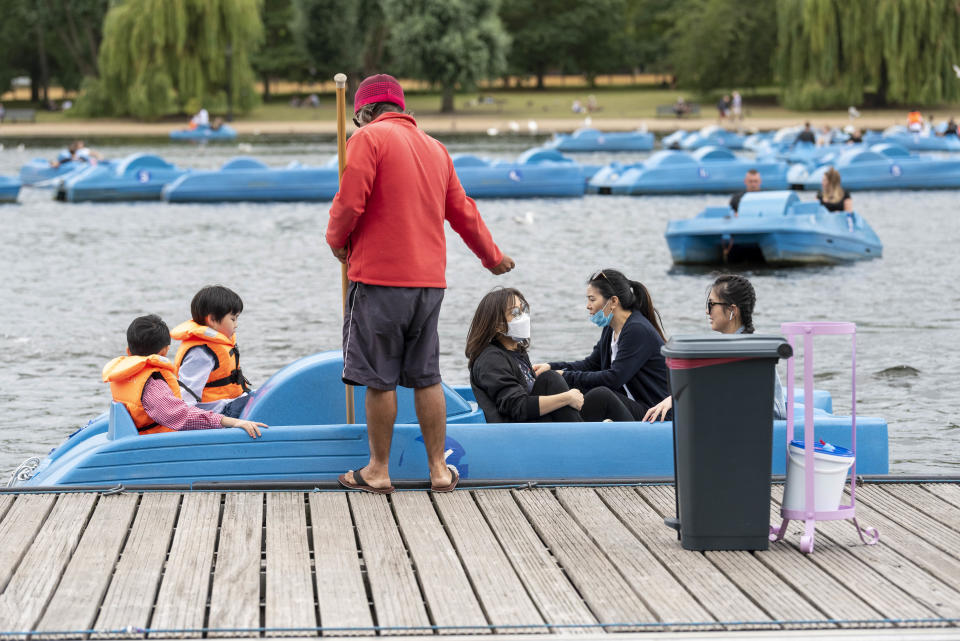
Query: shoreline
{"points": [[434, 124]]}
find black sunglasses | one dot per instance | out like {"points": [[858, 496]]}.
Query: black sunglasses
{"points": [[711, 303]]}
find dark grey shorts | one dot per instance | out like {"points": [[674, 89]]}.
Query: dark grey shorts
{"points": [[390, 336]]}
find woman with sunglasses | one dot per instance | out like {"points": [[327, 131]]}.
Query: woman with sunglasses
{"points": [[626, 362], [730, 303], [501, 375]]}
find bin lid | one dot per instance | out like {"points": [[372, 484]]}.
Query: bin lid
{"points": [[690, 346], [822, 447]]}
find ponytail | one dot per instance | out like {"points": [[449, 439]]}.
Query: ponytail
{"points": [[737, 290]]}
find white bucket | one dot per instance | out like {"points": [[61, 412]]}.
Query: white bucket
{"points": [[831, 464]]}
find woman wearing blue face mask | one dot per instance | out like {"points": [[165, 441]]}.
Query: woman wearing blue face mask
{"points": [[627, 357]]}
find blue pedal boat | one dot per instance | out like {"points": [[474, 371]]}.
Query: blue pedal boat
{"points": [[308, 441], [9, 189], [537, 173], [39, 173], [713, 136], [587, 139], [883, 166], [775, 226], [920, 141], [711, 169], [204, 132], [136, 177], [248, 179]]}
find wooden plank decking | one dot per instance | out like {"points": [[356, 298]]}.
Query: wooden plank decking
{"points": [[566, 561]]}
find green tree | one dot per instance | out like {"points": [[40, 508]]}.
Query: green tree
{"points": [[832, 51], [722, 43], [158, 55], [596, 25], [446, 42], [346, 36], [643, 39], [282, 55]]}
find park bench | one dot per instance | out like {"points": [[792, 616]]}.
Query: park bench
{"points": [[22, 115], [693, 109]]}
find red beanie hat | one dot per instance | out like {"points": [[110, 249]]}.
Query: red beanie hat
{"points": [[378, 88]]}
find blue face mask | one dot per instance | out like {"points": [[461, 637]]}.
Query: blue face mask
{"points": [[600, 319]]}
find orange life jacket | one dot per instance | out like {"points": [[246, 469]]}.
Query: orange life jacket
{"points": [[128, 375], [226, 381], [914, 118]]}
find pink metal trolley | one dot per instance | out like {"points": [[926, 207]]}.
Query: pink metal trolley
{"points": [[809, 515]]}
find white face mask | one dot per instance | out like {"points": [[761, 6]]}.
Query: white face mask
{"points": [[519, 328]]}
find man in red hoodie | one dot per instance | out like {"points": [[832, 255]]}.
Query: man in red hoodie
{"points": [[386, 224]]}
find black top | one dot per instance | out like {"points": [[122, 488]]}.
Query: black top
{"points": [[500, 386], [951, 129], [639, 365], [833, 206], [735, 200], [806, 136]]}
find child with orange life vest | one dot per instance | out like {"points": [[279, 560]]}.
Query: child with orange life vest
{"points": [[145, 382], [208, 361]]}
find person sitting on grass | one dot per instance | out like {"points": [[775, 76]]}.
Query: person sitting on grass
{"points": [[145, 383], [208, 361]]}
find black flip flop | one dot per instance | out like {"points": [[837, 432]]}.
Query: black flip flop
{"points": [[453, 481], [360, 484]]}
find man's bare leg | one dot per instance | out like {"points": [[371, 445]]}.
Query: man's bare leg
{"points": [[431, 406], [381, 409]]}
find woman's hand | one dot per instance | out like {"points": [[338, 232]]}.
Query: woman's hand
{"points": [[659, 411], [574, 398], [540, 368]]}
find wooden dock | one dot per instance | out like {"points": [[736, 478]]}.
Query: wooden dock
{"points": [[557, 561]]}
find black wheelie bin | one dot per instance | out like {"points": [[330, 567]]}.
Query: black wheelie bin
{"points": [[722, 387]]}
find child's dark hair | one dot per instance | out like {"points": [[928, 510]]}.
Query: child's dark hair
{"points": [[147, 335], [737, 290], [632, 294], [216, 301]]}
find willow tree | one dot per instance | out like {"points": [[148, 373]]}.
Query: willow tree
{"points": [[832, 51], [160, 55], [446, 42]]}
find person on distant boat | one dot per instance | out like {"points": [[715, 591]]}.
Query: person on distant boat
{"points": [[951, 129], [730, 303], [77, 152], [825, 136], [216, 124], [503, 379], [806, 135], [208, 361], [200, 119], [627, 358], [856, 137], [752, 181], [145, 383], [915, 122], [832, 195]]}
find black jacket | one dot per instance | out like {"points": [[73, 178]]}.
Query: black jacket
{"points": [[639, 365], [500, 388]]}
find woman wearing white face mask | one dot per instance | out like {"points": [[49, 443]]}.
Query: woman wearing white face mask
{"points": [[626, 360], [500, 371]]}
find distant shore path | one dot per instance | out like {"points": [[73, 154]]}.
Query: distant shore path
{"points": [[434, 124]]}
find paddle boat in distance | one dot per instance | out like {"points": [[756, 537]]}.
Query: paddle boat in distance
{"points": [[248, 179], [40, 173], [927, 140], [309, 441], [9, 189], [136, 177], [882, 166], [204, 132], [712, 136], [588, 139], [775, 226], [711, 169], [537, 173]]}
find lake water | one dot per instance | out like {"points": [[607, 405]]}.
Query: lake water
{"points": [[74, 275]]}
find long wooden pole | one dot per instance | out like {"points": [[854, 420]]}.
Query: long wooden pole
{"points": [[341, 80]]}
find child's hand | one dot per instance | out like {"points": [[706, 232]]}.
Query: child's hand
{"points": [[250, 427]]}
